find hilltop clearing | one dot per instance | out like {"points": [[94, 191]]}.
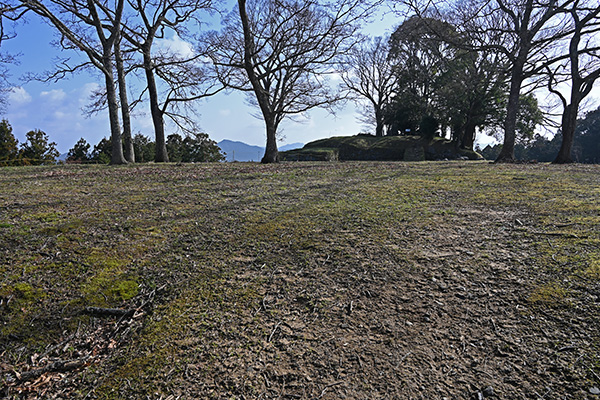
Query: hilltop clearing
{"points": [[350, 280]]}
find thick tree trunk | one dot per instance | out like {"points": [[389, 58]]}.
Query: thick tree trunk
{"points": [[161, 154], [468, 137], [568, 125], [127, 140], [271, 152], [379, 123], [261, 93], [113, 115], [507, 154]]}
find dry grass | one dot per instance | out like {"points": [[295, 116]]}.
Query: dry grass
{"points": [[316, 280]]}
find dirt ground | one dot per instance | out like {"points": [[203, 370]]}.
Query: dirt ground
{"points": [[347, 281]]}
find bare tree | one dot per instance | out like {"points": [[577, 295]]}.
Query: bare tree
{"points": [[11, 13], [582, 68], [84, 28], [285, 49], [181, 73], [369, 74], [535, 27]]}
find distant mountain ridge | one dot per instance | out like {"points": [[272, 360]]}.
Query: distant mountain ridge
{"points": [[240, 151]]}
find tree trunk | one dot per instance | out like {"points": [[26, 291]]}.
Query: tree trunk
{"points": [[468, 138], [127, 140], [507, 154], [113, 115], [568, 125], [379, 123], [161, 154], [262, 94], [271, 152]]}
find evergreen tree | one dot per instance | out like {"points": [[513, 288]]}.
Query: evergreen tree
{"points": [[587, 138], [102, 151], [9, 152], [38, 150], [193, 148], [80, 152], [144, 148]]}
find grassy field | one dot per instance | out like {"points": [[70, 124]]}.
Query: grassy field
{"points": [[349, 280]]}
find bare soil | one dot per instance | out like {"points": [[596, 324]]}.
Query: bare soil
{"points": [[301, 281]]}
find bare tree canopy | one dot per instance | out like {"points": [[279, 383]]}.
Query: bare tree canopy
{"points": [[368, 73], [530, 34], [282, 52], [580, 69], [184, 75], [85, 26]]}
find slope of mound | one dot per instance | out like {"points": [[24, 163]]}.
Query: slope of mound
{"points": [[371, 148]]}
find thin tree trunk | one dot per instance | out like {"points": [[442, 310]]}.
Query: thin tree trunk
{"points": [[161, 154], [127, 140], [507, 154], [113, 115], [262, 95]]}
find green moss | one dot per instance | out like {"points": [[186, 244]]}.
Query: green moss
{"points": [[64, 227], [103, 260], [551, 294], [22, 291], [25, 291], [593, 270], [106, 288], [50, 216]]}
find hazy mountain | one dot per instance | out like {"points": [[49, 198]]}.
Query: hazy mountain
{"points": [[292, 146], [240, 151]]}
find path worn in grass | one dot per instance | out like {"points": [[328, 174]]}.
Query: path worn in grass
{"points": [[332, 280]]}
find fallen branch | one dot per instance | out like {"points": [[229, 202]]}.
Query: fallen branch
{"points": [[565, 225], [568, 235], [57, 366], [108, 312]]}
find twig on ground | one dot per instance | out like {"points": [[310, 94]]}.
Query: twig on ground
{"points": [[328, 386], [401, 360], [564, 234], [273, 331]]}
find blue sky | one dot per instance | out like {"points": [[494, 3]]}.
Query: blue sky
{"points": [[56, 107]]}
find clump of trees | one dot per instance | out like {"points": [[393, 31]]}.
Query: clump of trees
{"points": [[538, 43], [191, 148], [36, 150], [465, 67], [585, 146]]}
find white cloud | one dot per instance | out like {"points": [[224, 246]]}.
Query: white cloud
{"points": [[18, 96], [225, 112], [55, 95], [175, 46]]}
